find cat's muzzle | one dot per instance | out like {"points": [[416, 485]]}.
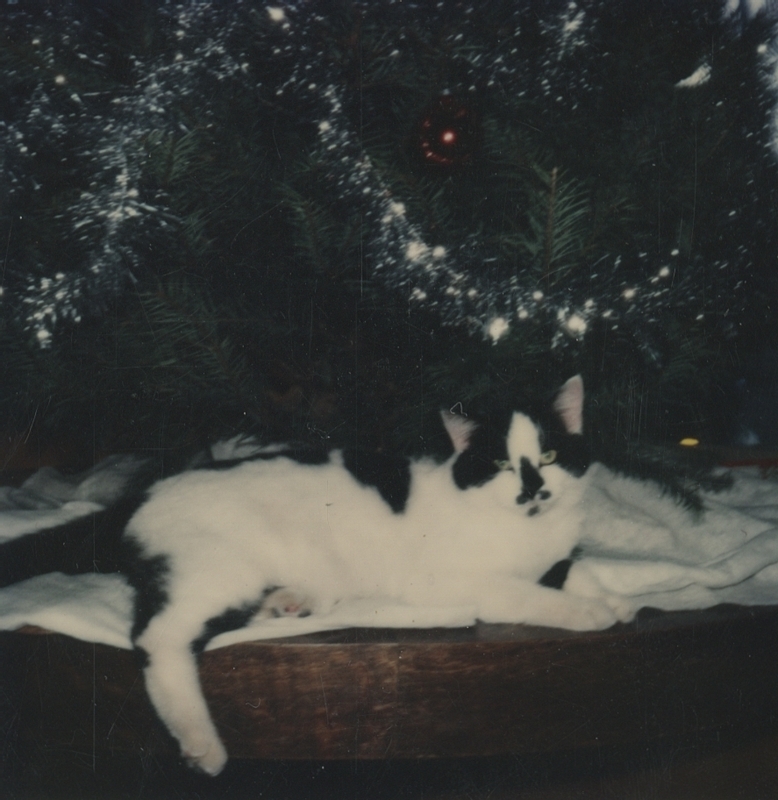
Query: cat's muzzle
{"points": [[526, 497]]}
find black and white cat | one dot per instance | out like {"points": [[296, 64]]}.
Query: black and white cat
{"points": [[294, 531]]}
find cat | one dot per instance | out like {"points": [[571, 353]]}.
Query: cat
{"points": [[293, 531]]}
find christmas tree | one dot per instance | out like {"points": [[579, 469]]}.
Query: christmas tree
{"points": [[328, 220]]}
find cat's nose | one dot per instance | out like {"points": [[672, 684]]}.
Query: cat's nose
{"points": [[525, 496]]}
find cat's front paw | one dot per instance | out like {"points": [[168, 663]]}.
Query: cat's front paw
{"points": [[582, 583], [208, 757], [622, 607], [589, 615]]}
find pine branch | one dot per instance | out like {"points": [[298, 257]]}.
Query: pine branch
{"points": [[188, 351], [548, 242], [314, 227]]}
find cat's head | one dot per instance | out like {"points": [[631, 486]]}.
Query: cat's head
{"points": [[541, 451]]}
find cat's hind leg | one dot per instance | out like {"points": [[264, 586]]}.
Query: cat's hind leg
{"points": [[171, 639], [173, 686]]}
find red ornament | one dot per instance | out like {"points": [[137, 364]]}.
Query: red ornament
{"points": [[449, 133]]}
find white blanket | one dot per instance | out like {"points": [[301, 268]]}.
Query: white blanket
{"points": [[637, 544]]}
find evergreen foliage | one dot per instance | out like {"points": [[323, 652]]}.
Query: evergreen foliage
{"points": [[225, 284]]}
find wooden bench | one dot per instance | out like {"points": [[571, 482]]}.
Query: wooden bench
{"points": [[393, 694], [380, 694]]}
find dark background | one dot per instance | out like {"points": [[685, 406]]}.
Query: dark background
{"points": [[239, 289]]}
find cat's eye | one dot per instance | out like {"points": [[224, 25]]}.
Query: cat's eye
{"points": [[503, 465], [549, 457]]}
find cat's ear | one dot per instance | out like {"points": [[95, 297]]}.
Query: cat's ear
{"points": [[459, 429], [569, 404]]}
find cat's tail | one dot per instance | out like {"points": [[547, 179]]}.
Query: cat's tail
{"points": [[90, 543]]}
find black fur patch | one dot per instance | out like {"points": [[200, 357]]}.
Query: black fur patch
{"points": [[391, 475], [141, 657], [149, 577], [530, 480], [478, 464], [229, 620], [555, 577], [572, 453]]}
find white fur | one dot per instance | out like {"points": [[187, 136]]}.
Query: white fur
{"points": [[229, 534], [523, 440]]}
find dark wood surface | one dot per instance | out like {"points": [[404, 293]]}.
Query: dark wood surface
{"points": [[383, 694], [652, 709]]}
